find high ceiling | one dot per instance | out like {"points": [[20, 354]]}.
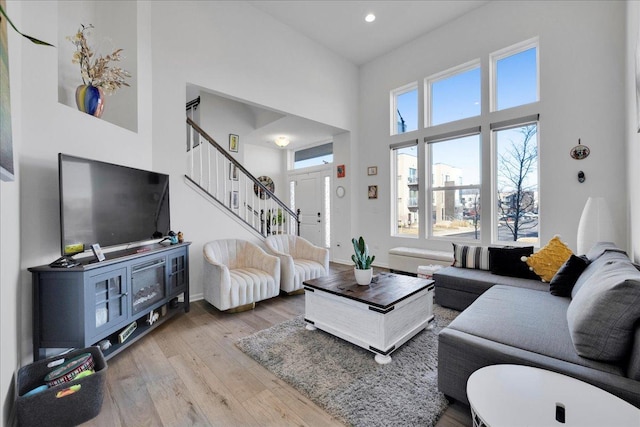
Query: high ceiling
{"points": [[341, 28], [340, 25]]}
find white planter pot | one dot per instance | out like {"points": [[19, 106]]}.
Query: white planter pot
{"points": [[363, 277]]}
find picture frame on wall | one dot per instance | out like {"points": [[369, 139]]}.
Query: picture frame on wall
{"points": [[234, 200], [233, 172], [234, 142], [373, 192], [372, 170], [340, 171]]}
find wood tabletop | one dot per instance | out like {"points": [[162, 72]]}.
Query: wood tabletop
{"points": [[385, 290]]}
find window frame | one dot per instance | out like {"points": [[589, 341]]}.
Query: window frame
{"points": [[393, 103], [430, 188], [495, 211], [428, 81], [506, 52], [394, 186]]}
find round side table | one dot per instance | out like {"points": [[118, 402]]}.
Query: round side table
{"points": [[511, 395]]}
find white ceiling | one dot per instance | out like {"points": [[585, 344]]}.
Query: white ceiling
{"points": [[340, 25]]}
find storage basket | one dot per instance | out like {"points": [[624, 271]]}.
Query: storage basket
{"points": [[45, 408]]}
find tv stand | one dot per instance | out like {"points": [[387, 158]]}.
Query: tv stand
{"points": [[79, 306]]}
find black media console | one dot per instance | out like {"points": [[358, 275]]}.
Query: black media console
{"points": [[79, 306]]}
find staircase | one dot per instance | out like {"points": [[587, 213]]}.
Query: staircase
{"points": [[223, 179]]}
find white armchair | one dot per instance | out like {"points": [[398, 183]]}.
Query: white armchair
{"points": [[300, 260], [238, 273]]}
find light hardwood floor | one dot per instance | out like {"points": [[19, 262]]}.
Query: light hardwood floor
{"points": [[188, 372]]}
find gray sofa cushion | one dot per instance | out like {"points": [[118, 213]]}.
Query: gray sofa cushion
{"points": [[633, 370], [594, 267], [478, 281], [603, 313], [528, 320]]}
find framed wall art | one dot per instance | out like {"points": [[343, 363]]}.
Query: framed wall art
{"points": [[233, 172], [373, 192], [372, 170], [234, 142]]}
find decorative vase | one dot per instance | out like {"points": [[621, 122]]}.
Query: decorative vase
{"points": [[363, 277], [90, 100]]}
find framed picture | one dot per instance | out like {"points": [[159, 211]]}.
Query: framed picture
{"points": [[234, 141], [341, 171], [373, 192], [233, 200], [233, 172], [372, 170], [97, 251]]}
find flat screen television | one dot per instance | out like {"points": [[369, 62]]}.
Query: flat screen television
{"points": [[109, 204]]}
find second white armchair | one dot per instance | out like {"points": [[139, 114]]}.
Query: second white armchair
{"points": [[300, 260]]}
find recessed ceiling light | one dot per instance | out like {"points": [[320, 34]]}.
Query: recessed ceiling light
{"points": [[370, 17]]}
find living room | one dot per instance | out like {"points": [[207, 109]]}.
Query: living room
{"points": [[587, 76]]}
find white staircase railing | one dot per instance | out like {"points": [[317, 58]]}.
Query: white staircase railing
{"points": [[226, 181]]}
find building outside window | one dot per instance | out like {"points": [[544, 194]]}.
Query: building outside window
{"points": [[455, 186], [406, 209]]}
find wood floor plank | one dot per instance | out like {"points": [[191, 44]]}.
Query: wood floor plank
{"points": [[211, 395], [271, 411], [127, 389], [310, 413]]}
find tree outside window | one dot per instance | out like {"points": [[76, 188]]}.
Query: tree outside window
{"points": [[517, 183]]}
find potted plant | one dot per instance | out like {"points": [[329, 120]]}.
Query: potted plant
{"points": [[362, 261]]}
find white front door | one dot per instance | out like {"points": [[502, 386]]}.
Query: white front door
{"points": [[310, 199]]}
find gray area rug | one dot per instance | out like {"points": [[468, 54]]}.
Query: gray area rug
{"points": [[345, 380]]}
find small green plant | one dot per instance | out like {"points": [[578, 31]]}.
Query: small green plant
{"points": [[361, 258]]}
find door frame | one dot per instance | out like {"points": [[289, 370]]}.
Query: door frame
{"points": [[324, 171]]}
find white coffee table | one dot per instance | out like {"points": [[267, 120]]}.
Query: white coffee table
{"points": [[379, 317], [515, 395]]}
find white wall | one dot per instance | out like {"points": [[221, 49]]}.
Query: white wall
{"points": [[633, 121], [581, 90], [10, 286], [234, 49]]}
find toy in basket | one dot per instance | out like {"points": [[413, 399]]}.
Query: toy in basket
{"points": [[70, 389], [70, 369]]}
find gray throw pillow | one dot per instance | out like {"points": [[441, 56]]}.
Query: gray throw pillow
{"points": [[603, 313]]}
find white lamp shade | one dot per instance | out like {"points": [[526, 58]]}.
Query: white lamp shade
{"points": [[596, 224]]}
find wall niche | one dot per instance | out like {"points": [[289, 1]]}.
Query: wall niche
{"points": [[115, 27]]}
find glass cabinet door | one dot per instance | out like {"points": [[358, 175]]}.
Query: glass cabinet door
{"points": [[110, 302], [177, 273]]}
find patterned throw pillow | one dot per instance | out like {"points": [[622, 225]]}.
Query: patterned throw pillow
{"points": [[548, 260], [471, 257]]}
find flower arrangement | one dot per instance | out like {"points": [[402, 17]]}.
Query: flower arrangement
{"points": [[96, 71]]}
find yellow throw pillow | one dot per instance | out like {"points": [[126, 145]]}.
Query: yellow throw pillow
{"points": [[548, 260]]}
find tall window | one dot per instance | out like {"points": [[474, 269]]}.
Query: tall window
{"points": [[517, 182], [455, 186], [461, 149], [404, 109], [405, 165], [514, 75], [453, 94]]}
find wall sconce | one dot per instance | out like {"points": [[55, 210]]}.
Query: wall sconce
{"points": [[282, 141]]}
